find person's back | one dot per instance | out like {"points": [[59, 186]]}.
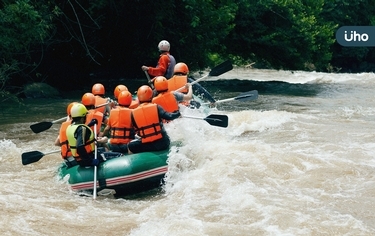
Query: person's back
{"points": [[102, 104], [177, 82], [88, 100], [147, 121], [80, 137], [179, 79], [119, 124], [165, 64], [170, 100], [62, 139], [165, 99], [94, 114]]}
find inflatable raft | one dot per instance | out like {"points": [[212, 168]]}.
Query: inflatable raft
{"points": [[126, 174]]}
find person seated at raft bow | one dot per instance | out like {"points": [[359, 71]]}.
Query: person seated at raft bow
{"points": [[169, 99], [165, 64], [119, 124], [62, 140], [179, 80], [147, 121], [81, 139]]}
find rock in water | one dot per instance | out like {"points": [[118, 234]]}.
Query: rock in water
{"points": [[40, 90]]}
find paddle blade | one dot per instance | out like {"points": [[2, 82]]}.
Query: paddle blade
{"points": [[31, 157], [221, 68], [217, 120], [42, 126], [247, 96]]}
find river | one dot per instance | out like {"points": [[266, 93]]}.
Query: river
{"points": [[297, 161]]}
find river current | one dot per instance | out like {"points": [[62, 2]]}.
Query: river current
{"points": [[299, 160]]}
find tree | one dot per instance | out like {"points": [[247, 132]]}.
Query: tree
{"points": [[283, 34], [23, 25]]}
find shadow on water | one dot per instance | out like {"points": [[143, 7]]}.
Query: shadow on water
{"points": [[266, 87]]}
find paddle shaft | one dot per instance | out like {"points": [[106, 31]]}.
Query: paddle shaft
{"points": [[61, 119], [243, 97], [56, 151], [95, 167], [149, 79], [102, 105]]}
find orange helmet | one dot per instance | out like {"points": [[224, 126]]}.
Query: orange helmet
{"points": [[119, 88], [69, 107], [144, 93], [181, 68], [125, 98], [161, 84], [88, 99], [98, 89]]}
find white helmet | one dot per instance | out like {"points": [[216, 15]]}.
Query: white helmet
{"points": [[164, 46]]}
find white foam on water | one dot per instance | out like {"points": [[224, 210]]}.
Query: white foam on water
{"points": [[304, 167]]}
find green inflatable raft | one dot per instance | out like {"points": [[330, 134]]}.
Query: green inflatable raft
{"points": [[126, 174]]}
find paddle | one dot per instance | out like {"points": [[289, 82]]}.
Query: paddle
{"points": [[149, 80], [34, 156], [243, 97], [216, 71], [215, 120], [95, 167], [44, 125]]}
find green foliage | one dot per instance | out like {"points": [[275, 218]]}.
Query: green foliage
{"points": [[23, 24], [120, 36], [287, 34], [205, 24]]}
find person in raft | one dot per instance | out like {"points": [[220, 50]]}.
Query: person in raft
{"points": [[180, 78], [88, 100], [119, 124], [119, 88], [165, 64], [169, 99], [102, 103], [62, 140], [147, 121], [81, 137]]}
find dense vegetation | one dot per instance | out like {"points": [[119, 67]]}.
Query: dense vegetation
{"points": [[69, 43]]}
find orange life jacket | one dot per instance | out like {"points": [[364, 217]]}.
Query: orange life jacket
{"points": [[100, 101], [93, 113], [176, 82], [147, 123], [121, 126], [167, 101], [64, 144]]}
